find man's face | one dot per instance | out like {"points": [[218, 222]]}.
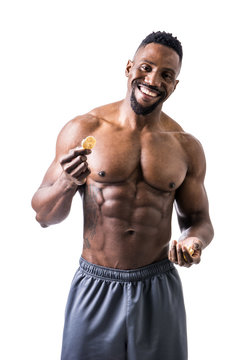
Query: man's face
{"points": [[152, 77]]}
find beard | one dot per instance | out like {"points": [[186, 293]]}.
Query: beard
{"points": [[144, 110]]}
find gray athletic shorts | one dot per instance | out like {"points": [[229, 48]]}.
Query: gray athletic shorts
{"points": [[116, 314]]}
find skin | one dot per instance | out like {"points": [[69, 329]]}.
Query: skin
{"points": [[141, 166]]}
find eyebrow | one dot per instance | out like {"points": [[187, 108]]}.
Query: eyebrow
{"points": [[169, 69], [150, 62]]}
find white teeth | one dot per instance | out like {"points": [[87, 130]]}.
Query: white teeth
{"points": [[148, 92]]}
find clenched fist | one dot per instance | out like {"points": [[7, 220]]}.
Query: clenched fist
{"points": [[186, 252]]}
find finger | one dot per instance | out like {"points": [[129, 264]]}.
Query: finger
{"points": [[180, 258], [173, 252], [69, 167], [197, 245], [84, 175], [73, 153], [196, 257], [80, 179], [81, 151], [79, 170]]}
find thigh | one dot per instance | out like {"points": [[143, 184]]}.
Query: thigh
{"points": [[94, 320], [156, 320]]}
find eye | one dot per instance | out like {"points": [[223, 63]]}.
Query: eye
{"points": [[145, 67], [167, 76]]}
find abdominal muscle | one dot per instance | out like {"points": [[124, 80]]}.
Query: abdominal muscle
{"points": [[126, 225]]}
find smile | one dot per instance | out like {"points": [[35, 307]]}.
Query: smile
{"points": [[146, 91]]}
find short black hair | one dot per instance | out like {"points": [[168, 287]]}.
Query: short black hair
{"points": [[164, 38]]}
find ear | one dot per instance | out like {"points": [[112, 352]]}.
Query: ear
{"points": [[128, 67], [177, 81]]}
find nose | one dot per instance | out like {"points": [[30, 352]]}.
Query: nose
{"points": [[153, 79]]}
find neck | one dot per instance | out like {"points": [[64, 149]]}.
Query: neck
{"points": [[127, 117]]}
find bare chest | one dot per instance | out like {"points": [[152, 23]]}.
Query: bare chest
{"points": [[158, 159]]}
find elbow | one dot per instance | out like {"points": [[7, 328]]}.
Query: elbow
{"points": [[38, 217], [41, 221], [34, 203], [36, 206], [46, 218], [211, 231]]}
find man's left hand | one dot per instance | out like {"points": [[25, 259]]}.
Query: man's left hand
{"points": [[186, 252]]}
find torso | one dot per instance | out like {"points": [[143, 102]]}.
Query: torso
{"points": [[127, 212]]}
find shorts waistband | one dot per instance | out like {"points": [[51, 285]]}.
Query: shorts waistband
{"points": [[138, 274]]}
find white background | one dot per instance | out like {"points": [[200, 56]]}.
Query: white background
{"points": [[63, 58]]}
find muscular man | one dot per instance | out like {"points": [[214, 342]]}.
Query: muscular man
{"points": [[126, 299]]}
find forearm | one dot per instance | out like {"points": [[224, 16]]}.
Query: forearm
{"points": [[202, 230], [53, 203]]}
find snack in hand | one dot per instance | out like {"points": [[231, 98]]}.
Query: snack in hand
{"points": [[191, 252], [89, 142]]}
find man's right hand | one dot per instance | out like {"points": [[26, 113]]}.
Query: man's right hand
{"points": [[75, 166]]}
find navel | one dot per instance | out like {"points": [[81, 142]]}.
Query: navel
{"points": [[130, 232]]}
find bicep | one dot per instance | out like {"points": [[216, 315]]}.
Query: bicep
{"points": [[55, 169], [191, 197], [52, 174], [65, 141]]}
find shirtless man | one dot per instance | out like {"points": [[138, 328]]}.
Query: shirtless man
{"points": [[126, 298]]}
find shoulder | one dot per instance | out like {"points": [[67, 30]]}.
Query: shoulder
{"points": [[107, 113], [189, 143], [75, 130], [81, 123], [194, 153], [82, 126], [191, 148]]}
